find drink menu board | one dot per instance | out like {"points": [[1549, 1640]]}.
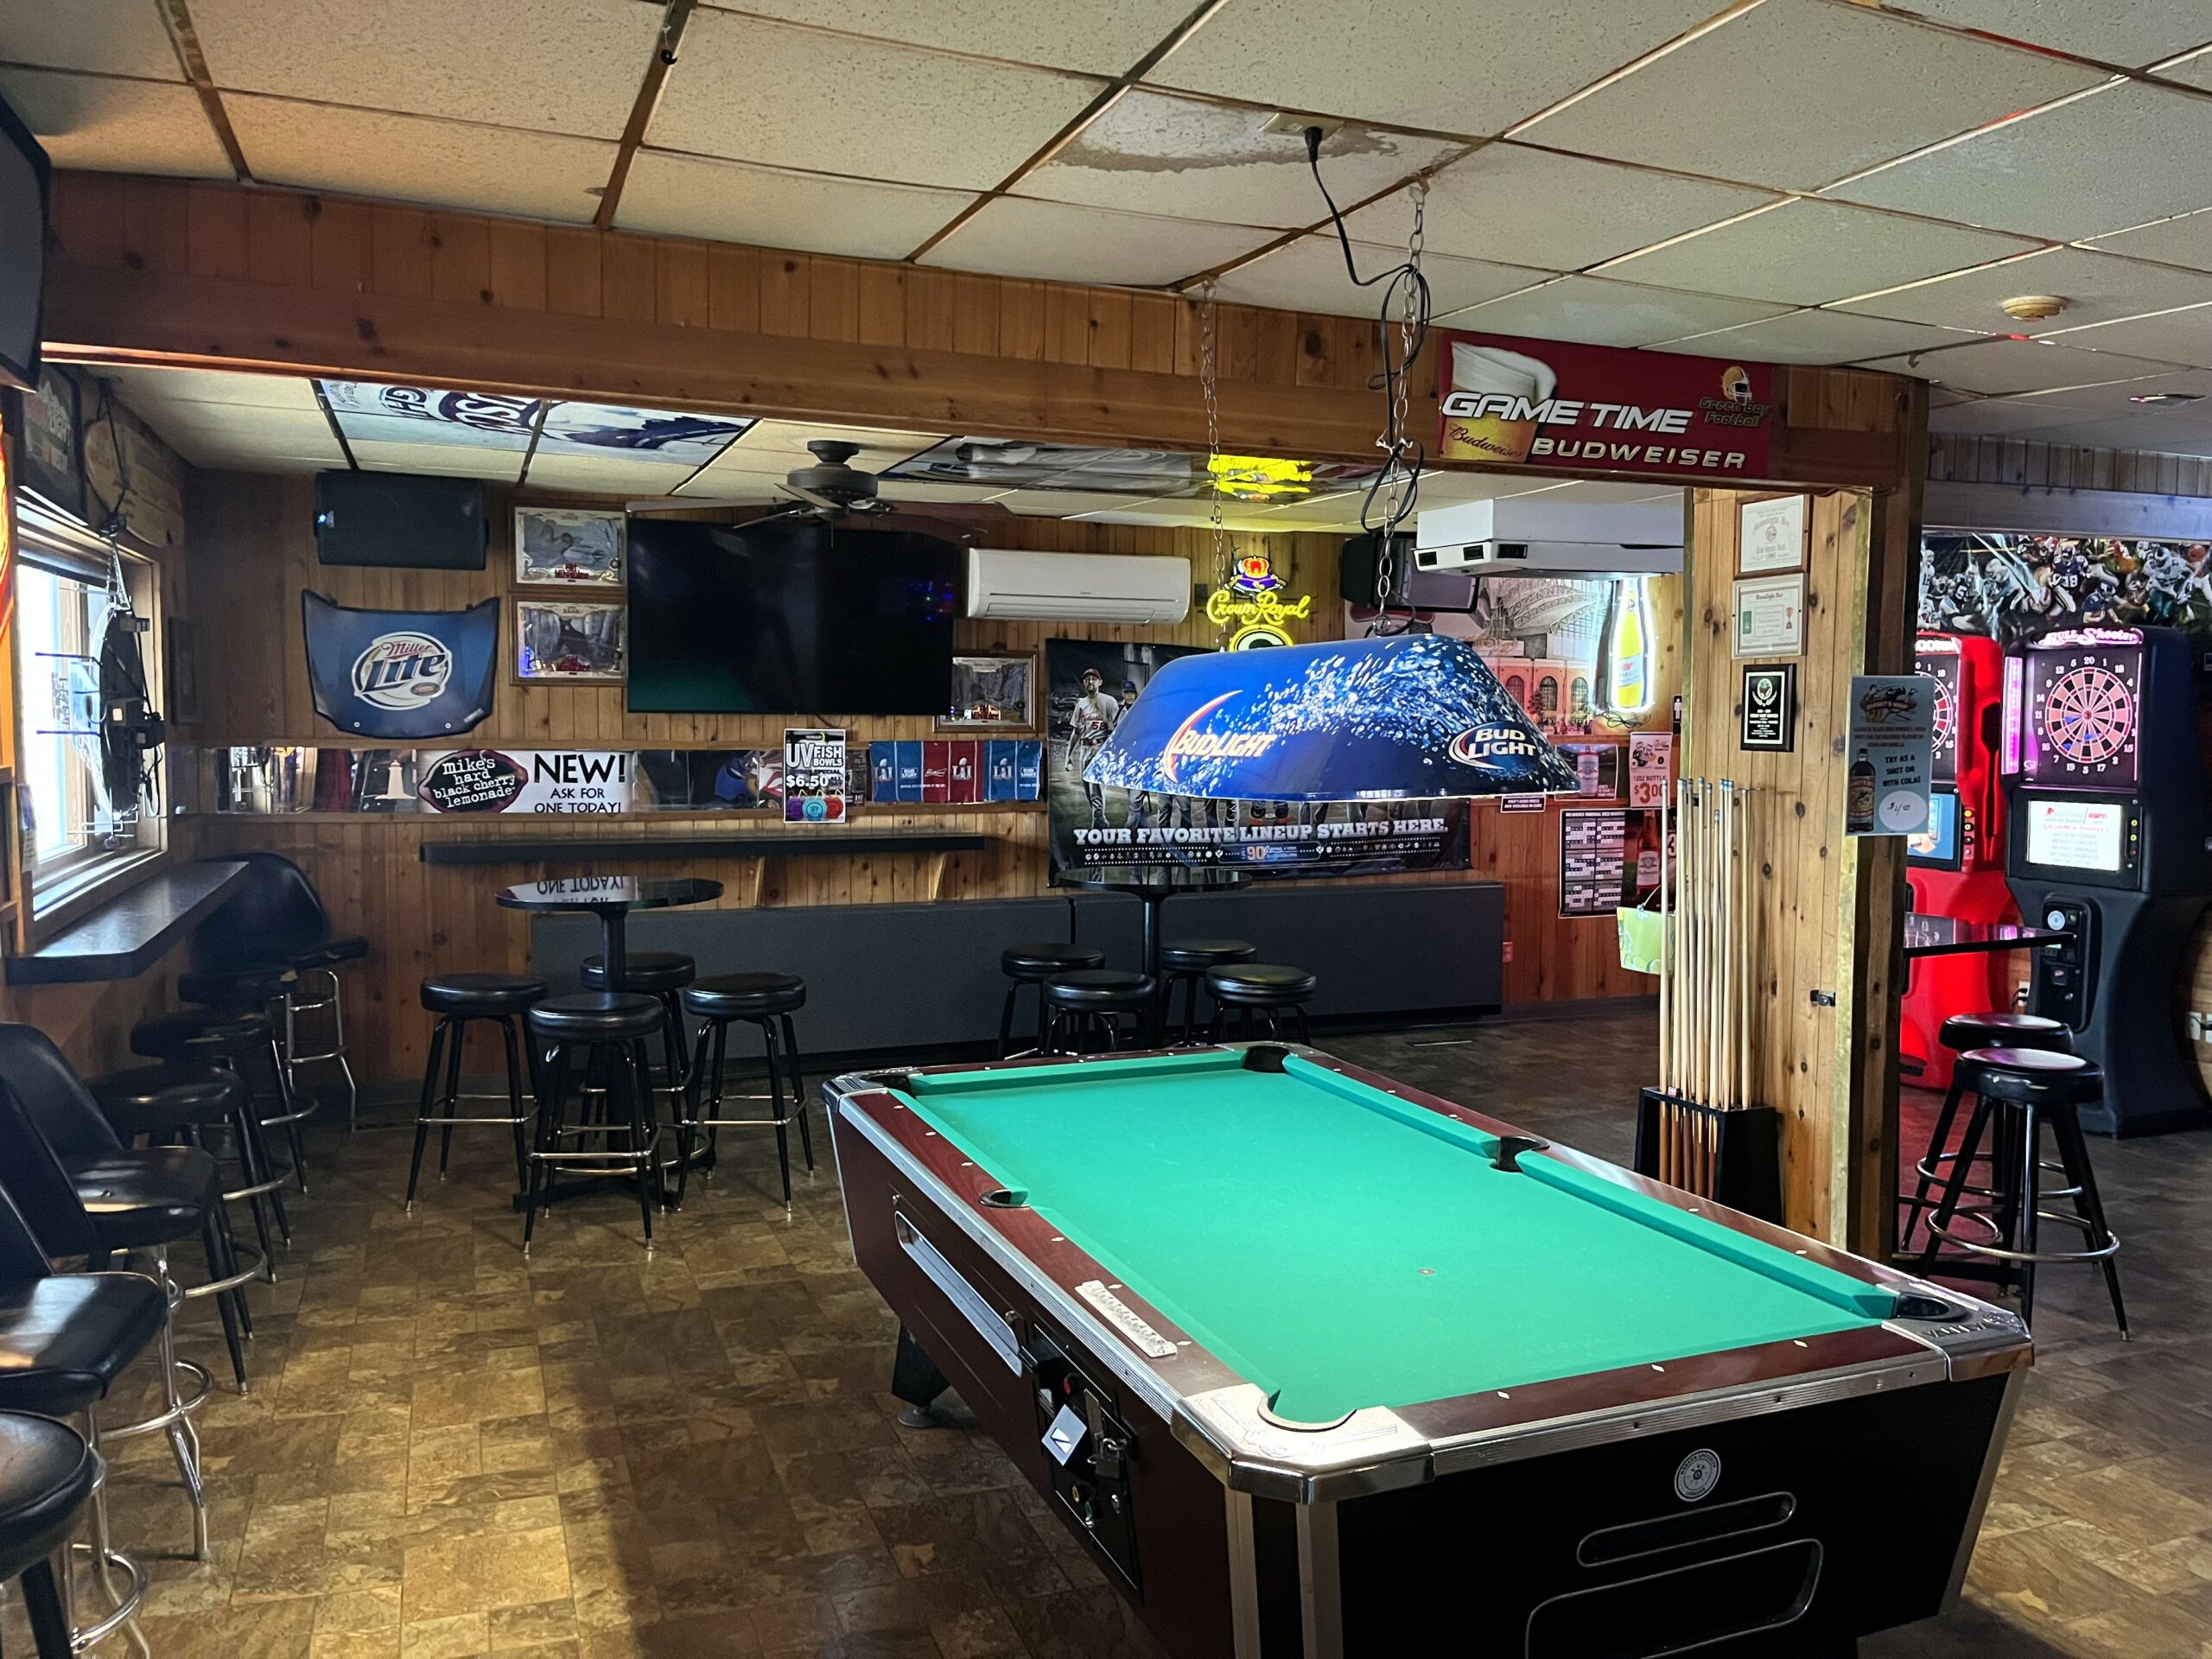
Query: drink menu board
{"points": [[1606, 859]]}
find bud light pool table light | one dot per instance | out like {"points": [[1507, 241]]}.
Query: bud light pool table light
{"points": [[1413, 716]]}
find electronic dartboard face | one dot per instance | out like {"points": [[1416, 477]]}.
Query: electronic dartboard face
{"points": [[1944, 671], [2083, 702]]}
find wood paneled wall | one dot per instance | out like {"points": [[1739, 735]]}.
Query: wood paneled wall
{"points": [[1966, 460]]}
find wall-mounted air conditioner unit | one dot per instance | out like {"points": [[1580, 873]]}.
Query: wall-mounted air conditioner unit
{"points": [[1076, 587], [1528, 536]]}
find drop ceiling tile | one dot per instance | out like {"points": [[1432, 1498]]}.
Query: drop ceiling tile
{"points": [[2196, 71], [2183, 239], [1598, 490], [1440, 487], [1882, 87], [1440, 64], [1811, 253], [1816, 337], [597, 474], [751, 91], [1601, 312], [1154, 153], [145, 389], [779, 445], [116, 126], [2173, 432], [723, 482], [771, 208], [1099, 40], [544, 66], [1312, 512], [1058, 504], [2135, 35], [1556, 212], [2182, 336], [2086, 168], [240, 435], [2097, 288], [1016, 237], [1309, 276], [907, 489], [109, 37], [1996, 367], [445, 460], [1999, 418], [411, 158]]}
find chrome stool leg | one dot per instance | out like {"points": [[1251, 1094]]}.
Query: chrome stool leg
{"points": [[334, 1001], [175, 1419], [106, 1561]]}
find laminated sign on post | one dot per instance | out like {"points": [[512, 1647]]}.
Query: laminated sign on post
{"points": [[1892, 748]]}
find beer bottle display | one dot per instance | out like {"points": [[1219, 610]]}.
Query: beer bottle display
{"points": [[1624, 661], [1858, 796]]}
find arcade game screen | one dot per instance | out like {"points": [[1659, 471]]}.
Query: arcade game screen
{"points": [[1937, 846], [2076, 835], [2082, 700]]}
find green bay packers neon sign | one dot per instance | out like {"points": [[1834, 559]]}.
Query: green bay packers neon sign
{"points": [[1254, 602]]}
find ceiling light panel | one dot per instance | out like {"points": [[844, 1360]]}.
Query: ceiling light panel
{"points": [[116, 126], [1811, 253], [1097, 40], [772, 208], [1309, 276], [411, 158], [1152, 153], [2096, 165], [1874, 88], [751, 91], [2135, 35], [1015, 237], [549, 65], [1523, 207], [1440, 64], [2097, 288], [1602, 312], [109, 37]]}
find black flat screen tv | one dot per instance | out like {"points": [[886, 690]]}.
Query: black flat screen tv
{"points": [[23, 203], [791, 617]]}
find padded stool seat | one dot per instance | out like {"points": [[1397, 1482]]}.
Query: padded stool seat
{"points": [[161, 1099], [645, 970], [2020, 1075], [46, 1473], [1195, 956], [1261, 984], [744, 997], [328, 953], [1088, 988], [65, 1339], [245, 987], [2005, 1030], [482, 994], [597, 1017], [198, 1032], [139, 1200], [1042, 960]]}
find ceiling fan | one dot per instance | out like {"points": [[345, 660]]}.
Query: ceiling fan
{"points": [[833, 491]]}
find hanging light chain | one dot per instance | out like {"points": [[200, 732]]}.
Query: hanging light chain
{"points": [[1210, 382]]}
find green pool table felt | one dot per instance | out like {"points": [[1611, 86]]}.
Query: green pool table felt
{"points": [[1342, 1247]]}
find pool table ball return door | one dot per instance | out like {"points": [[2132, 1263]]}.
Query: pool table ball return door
{"points": [[1257, 1488]]}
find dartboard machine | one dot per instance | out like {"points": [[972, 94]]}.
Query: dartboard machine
{"points": [[2109, 834], [1956, 867]]}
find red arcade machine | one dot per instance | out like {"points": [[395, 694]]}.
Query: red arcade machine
{"points": [[1956, 869]]}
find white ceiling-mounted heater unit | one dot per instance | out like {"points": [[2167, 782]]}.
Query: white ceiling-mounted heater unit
{"points": [[1076, 587], [1528, 536]]}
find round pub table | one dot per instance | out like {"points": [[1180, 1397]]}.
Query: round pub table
{"points": [[610, 897]]}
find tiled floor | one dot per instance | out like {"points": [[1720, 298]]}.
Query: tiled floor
{"points": [[450, 1452]]}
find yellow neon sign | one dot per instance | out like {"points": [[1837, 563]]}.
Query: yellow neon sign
{"points": [[1254, 599], [1259, 478]]}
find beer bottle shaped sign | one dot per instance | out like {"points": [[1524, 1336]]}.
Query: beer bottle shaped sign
{"points": [[1625, 655], [1858, 796]]}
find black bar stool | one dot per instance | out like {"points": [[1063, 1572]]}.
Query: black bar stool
{"points": [[661, 975], [767, 1001], [241, 1039], [1184, 962], [612, 1029], [184, 1104], [2031, 1087], [1252, 991], [458, 1000], [1032, 964], [1994, 1029], [1089, 1003], [47, 1474]]}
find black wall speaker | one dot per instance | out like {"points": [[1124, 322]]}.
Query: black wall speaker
{"points": [[1426, 590], [399, 521]]}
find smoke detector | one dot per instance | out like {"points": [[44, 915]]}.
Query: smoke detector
{"points": [[2033, 308]]}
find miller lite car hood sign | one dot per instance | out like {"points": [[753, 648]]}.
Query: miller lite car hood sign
{"points": [[1599, 409], [401, 674], [1417, 715]]}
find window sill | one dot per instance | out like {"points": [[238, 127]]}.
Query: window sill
{"points": [[60, 902], [129, 932]]}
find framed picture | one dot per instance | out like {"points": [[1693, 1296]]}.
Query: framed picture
{"points": [[1771, 535], [182, 649], [50, 458], [567, 547], [556, 641], [995, 694]]}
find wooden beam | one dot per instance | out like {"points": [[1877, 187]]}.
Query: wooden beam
{"points": [[666, 45]]}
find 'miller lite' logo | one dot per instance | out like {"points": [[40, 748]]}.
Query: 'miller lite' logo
{"points": [[402, 671]]}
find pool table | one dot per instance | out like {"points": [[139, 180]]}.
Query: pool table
{"points": [[1320, 1364]]}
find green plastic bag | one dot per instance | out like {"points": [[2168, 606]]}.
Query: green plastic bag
{"points": [[1644, 938]]}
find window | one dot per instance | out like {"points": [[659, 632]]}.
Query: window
{"points": [[74, 837]]}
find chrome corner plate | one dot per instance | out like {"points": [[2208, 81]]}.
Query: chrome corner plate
{"points": [[1252, 1450]]}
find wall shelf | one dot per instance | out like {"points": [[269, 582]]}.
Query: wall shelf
{"points": [[826, 843], [127, 935]]}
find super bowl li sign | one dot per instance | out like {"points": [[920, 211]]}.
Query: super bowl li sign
{"points": [[1596, 409]]}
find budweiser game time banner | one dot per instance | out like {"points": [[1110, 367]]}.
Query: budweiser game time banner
{"points": [[1588, 409]]}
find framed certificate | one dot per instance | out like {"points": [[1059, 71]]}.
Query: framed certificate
{"points": [[1771, 535], [1770, 613]]}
